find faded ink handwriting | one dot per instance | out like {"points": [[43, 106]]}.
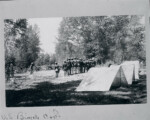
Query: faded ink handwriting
{"points": [[50, 115]]}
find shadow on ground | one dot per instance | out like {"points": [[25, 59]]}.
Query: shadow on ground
{"points": [[48, 94]]}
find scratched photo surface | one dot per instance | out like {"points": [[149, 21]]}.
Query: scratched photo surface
{"points": [[85, 60]]}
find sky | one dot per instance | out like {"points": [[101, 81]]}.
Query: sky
{"points": [[48, 32]]}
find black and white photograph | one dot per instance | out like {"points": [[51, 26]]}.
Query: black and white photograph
{"points": [[75, 61]]}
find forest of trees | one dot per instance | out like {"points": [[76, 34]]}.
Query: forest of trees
{"points": [[22, 45], [105, 38], [45, 59]]}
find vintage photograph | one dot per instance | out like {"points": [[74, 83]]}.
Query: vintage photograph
{"points": [[85, 60]]}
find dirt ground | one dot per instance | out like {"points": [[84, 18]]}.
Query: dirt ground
{"points": [[43, 89]]}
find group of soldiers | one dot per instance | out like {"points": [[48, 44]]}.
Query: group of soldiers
{"points": [[75, 65], [10, 70], [70, 66]]}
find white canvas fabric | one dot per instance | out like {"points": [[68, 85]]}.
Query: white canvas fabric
{"points": [[136, 67], [129, 73], [88, 84], [103, 79]]}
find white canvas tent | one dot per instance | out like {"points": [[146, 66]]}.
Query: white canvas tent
{"points": [[129, 73], [136, 65], [103, 79]]}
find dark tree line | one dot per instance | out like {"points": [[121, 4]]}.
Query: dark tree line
{"points": [[106, 38], [115, 38], [45, 59], [21, 43]]}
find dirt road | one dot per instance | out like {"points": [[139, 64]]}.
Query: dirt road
{"points": [[43, 89], [24, 81]]}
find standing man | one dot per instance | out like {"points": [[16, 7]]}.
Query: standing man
{"points": [[94, 62], [73, 67], [70, 66], [11, 70], [65, 68], [84, 66], [76, 66], [32, 68], [7, 72], [81, 65], [57, 69]]}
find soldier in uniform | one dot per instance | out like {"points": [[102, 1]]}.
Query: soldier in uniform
{"points": [[81, 65], [65, 68], [94, 62], [57, 69], [7, 72], [87, 65], [11, 70], [72, 66], [32, 68], [69, 66], [76, 65], [67, 63], [90, 63], [84, 66]]}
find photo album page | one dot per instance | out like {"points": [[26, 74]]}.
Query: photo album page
{"points": [[74, 59]]}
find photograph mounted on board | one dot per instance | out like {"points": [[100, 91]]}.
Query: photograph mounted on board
{"points": [[65, 61]]}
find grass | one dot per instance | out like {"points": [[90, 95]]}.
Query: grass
{"points": [[64, 94]]}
